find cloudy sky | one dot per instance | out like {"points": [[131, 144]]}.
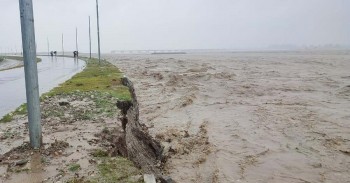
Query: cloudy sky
{"points": [[180, 24]]}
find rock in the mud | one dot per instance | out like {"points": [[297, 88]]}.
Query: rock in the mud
{"points": [[165, 179], [166, 148], [136, 178], [63, 103], [317, 165], [124, 106], [21, 162], [347, 152], [149, 178]]}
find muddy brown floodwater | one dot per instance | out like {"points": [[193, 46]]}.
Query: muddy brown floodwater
{"points": [[247, 117]]}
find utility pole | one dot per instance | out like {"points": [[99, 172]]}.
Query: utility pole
{"points": [[31, 72], [90, 36], [98, 33], [62, 46], [48, 47], [76, 39]]}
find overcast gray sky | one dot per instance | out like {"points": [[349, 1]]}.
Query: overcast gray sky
{"points": [[181, 24]]}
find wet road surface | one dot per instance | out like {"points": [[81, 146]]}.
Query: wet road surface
{"points": [[52, 71]]}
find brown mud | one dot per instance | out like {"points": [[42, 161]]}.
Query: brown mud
{"points": [[247, 117], [75, 128]]}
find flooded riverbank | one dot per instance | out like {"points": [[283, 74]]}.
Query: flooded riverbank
{"points": [[247, 117]]}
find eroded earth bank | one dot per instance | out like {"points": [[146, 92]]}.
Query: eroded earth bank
{"points": [[247, 117]]}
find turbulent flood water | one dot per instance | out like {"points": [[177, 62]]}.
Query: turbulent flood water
{"points": [[51, 70], [247, 117]]}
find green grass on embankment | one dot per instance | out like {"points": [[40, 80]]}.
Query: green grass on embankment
{"points": [[99, 80], [21, 110], [103, 77]]}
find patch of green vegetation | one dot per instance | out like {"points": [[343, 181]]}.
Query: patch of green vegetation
{"points": [[2, 58], [99, 153], [7, 118], [44, 160], [117, 170], [102, 105], [21, 170], [21, 110], [74, 167], [52, 113], [84, 116], [103, 77], [79, 180], [112, 170], [105, 103]]}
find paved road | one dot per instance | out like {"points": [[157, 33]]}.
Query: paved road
{"points": [[52, 71]]}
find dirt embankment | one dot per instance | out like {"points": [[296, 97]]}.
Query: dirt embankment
{"points": [[247, 117], [79, 123]]}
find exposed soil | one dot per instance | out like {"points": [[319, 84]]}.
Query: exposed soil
{"points": [[76, 127], [247, 117]]}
